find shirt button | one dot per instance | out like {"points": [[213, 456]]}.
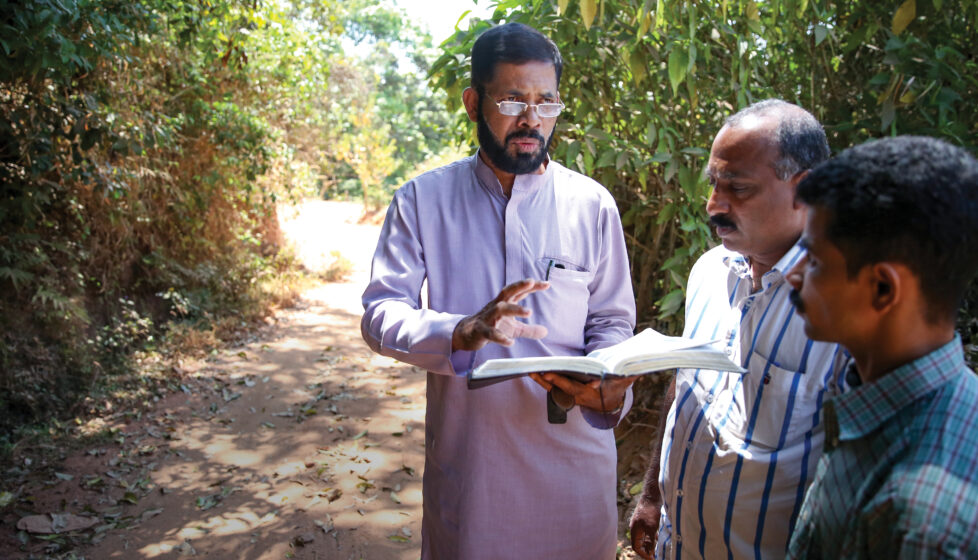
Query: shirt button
{"points": [[728, 351], [689, 445], [709, 398], [679, 492], [679, 538]]}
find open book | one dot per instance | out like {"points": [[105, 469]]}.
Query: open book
{"points": [[647, 352]]}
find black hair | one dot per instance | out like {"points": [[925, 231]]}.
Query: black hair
{"points": [[910, 199], [512, 43], [801, 139]]}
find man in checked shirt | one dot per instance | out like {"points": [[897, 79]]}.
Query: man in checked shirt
{"points": [[892, 239], [738, 451]]}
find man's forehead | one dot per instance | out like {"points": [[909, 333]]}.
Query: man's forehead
{"points": [[740, 151], [718, 170], [533, 73]]}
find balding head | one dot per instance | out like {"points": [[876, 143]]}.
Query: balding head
{"points": [[798, 135]]}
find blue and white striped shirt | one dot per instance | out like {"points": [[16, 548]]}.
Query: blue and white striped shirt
{"points": [[740, 450]]}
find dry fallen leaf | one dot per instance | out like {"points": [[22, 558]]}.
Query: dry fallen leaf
{"points": [[55, 523]]}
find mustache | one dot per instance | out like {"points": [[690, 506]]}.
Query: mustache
{"points": [[795, 298], [721, 220], [525, 134]]}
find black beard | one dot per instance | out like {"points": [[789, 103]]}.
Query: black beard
{"points": [[520, 164]]}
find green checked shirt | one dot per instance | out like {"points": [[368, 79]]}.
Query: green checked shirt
{"points": [[898, 476]]}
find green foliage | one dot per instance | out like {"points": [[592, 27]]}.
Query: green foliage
{"points": [[648, 84], [143, 147]]}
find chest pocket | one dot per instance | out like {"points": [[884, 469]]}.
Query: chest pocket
{"points": [[779, 405], [565, 303]]}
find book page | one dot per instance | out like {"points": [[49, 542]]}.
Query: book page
{"points": [[646, 342]]}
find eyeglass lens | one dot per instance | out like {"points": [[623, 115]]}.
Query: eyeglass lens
{"points": [[516, 108]]}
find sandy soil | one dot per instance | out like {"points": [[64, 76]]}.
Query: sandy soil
{"points": [[298, 444]]}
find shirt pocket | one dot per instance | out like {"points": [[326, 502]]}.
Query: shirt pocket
{"points": [[565, 303], [785, 403]]}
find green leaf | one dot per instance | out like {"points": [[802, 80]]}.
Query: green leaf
{"points": [[606, 159], [753, 13], [821, 32], [622, 160], [637, 64], [678, 64], [904, 15], [589, 9], [660, 13], [670, 304], [644, 21]]}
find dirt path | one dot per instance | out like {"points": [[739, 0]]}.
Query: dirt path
{"points": [[299, 444], [302, 444]]}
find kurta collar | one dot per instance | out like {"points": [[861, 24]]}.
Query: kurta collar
{"points": [[523, 183], [863, 409]]}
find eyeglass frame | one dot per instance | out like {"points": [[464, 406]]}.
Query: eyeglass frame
{"points": [[526, 107]]}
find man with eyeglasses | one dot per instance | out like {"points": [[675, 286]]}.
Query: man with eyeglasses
{"points": [[522, 257]]}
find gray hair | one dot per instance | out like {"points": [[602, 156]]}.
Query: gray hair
{"points": [[801, 139]]}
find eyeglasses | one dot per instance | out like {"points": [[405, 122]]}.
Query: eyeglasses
{"points": [[517, 108]]}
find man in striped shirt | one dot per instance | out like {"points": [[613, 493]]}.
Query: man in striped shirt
{"points": [[738, 451], [891, 237]]}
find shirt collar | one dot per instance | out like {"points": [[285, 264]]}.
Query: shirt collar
{"points": [[526, 182], [738, 265], [864, 408]]}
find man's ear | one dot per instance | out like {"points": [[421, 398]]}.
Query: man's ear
{"points": [[470, 98], [888, 286], [794, 186]]}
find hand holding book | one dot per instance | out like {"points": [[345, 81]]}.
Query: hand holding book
{"points": [[644, 353]]}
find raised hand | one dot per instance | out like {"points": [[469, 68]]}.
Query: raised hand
{"points": [[498, 320]]}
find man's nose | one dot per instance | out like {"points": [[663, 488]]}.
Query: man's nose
{"points": [[717, 203], [530, 118], [796, 273]]}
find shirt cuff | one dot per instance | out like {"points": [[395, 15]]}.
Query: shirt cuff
{"points": [[608, 420]]}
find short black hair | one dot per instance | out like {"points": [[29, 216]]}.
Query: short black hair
{"points": [[800, 137], [909, 199], [513, 43]]}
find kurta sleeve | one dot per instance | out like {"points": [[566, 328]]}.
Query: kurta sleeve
{"points": [[393, 322], [611, 307]]}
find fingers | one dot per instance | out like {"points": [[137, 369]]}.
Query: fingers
{"points": [[594, 394], [496, 322], [640, 541], [519, 290], [516, 329], [541, 381], [500, 310], [567, 385], [613, 385], [644, 528]]}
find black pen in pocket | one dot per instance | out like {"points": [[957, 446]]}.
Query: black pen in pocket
{"points": [[549, 266]]}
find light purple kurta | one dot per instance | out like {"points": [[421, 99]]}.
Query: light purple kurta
{"points": [[499, 481]]}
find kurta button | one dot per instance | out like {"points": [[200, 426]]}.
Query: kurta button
{"points": [[679, 538], [679, 492]]}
